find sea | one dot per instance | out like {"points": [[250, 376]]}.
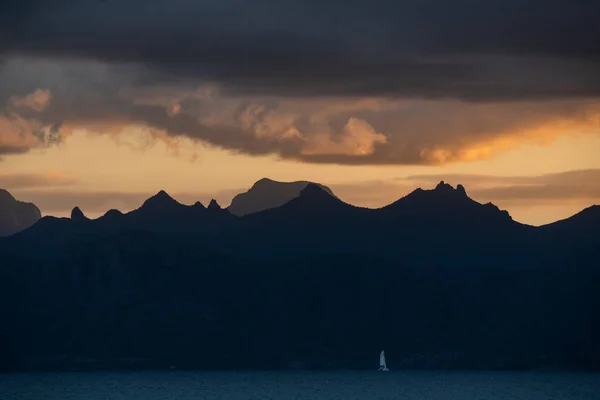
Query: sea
{"points": [[401, 385]]}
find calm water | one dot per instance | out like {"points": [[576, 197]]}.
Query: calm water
{"points": [[301, 385]]}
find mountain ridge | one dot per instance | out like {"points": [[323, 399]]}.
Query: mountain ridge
{"points": [[443, 202], [163, 201], [450, 282]]}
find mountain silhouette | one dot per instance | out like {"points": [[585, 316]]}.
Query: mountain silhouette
{"points": [[579, 231], [448, 208], [443, 218], [162, 213], [161, 201], [442, 200], [16, 215], [582, 221], [159, 211], [78, 215], [313, 221], [314, 202], [213, 205], [448, 283], [266, 194]]}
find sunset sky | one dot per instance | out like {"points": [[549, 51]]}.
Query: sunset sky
{"points": [[103, 103]]}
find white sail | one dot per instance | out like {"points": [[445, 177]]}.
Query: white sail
{"points": [[382, 364]]}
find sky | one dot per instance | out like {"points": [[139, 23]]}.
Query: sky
{"points": [[104, 103]]}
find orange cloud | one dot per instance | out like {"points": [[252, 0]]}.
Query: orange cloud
{"points": [[137, 136], [543, 132], [358, 138], [18, 134], [37, 101], [107, 99], [401, 132], [174, 109], [29, 180]]}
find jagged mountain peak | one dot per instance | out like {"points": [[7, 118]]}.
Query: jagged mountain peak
{"points": [[213, 205], [446, 202], [159, 200], [446, 188], [443, 186], [78, 215], [442, 192], [162, 196]]}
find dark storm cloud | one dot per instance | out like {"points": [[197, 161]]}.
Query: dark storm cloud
{"points": [[511, 49], [347, 82], [45, 100]]}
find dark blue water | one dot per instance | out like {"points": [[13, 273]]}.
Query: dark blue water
{"points": [[301, 385]]}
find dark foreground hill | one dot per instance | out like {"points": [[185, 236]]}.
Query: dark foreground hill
{"points": [[438, 280]]}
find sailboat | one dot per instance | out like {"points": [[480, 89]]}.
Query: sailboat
{"points": [[382, 364]]}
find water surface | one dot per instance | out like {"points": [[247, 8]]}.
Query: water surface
{"points": [[184, 385]]}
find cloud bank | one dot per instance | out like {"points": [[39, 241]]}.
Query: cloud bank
{"points": [[379, 82], [424, 48]]}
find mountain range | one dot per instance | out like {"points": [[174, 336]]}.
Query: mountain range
{"points": [[292, 276]]}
